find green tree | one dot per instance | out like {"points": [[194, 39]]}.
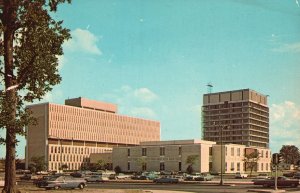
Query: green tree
{"points": [[191, 160], [290, 154], [31, 42], [251, 161], [101, 164], [38, 163]]}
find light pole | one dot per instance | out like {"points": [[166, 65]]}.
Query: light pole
{"points": [[221, 146], [221, 143]]}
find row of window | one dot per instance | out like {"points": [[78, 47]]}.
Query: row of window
{"points": [[162, 151], [162, 166], [76, 150]]}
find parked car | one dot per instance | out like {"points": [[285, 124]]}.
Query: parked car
{"points": [[122, 176], [262, 176], [166, 179], [192, 177], [58, 182], [241, 175], [289, 175], [281, 181], [139, 177], [41, 182], [26, 177], [97, 178], [297, 175], [204, 177]]}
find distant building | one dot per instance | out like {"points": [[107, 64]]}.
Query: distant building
{"points": [[68, 134], [243, 115], [163, 156], [172, 156]]}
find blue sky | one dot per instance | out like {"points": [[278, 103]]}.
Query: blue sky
{"points": [[154, 59]]}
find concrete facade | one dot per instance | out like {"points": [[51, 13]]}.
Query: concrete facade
{"points": [[163, 156], [233, 158], [68, 134], [172, 156], [245, 112]]}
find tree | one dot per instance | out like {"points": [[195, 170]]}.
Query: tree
{"points": [[251, 160], [290, 154], [31, 42], [118, 169], [190, 160], [101, 164], [38, 164]]}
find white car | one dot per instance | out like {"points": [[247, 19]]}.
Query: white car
{"points": [[97, 178], [122, 176], [262, 176], [240, 175]]}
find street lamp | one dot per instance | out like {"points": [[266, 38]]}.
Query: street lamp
{"points": [[221, 142]]}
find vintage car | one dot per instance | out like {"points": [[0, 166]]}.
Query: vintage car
{"points": [[240, 175], [166, 179], [204, 177], [64, 182], [97, 178], [281, 181]]}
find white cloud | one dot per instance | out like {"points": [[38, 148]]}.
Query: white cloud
{"points": [[144, 94], [292, 48], [136, 102], [83, 41], [142, 112], [285, 124], [61, 61]]}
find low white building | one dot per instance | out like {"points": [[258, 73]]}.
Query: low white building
{"points": [[172, 156]]}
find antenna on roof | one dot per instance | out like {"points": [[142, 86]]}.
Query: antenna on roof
{"points": [[209, 87]]}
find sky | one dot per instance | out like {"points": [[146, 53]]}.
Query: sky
{"points": [[154, 59]]}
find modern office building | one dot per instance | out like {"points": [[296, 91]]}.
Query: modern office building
{"points": [[68, 134], [239, 116], [173, 156]]}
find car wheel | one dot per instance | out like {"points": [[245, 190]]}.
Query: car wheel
{"points": [[56, 187], [81, 186]]}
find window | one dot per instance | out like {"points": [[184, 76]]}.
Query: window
{"points": [[144, 151], [232, 151], [144, 166], [238, 166], [128, 152], [267, 166], [225, 166], [162, 166], [232, 166], [179, 166], [128, 165], [267, 153], [238, 152], [225, 151], [180, 150], [162, 151]]}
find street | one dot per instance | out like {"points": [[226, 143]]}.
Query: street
{"points": [[236, 186]]}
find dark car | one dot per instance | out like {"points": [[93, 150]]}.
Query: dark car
{"points": [[26, 177], [281, 181], [166, 179], [41, 182], [65, 182]]}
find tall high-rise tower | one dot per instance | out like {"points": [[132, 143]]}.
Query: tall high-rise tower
{"points": [[239, 116]]}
